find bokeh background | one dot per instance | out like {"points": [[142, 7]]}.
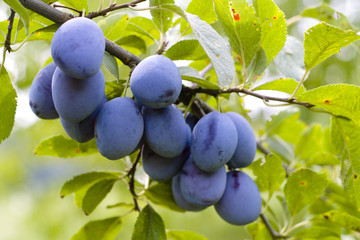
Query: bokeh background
{"points": [[30, 205]]}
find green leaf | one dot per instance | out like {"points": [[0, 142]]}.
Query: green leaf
{"points": [[96, 193], [23, 13], [241, 26], [111, 64], [114, 26], [311, 142], [84, 180], [302, 188], [189, 49], [132, 41], [190, 74], [351, 182], [324, 40], [162, 18], [7, 105], [149, 226], [144, 27], [160, 193], [323, 158], [105, 229], [258, 231], [183, 235], [202, 8], [114, 89], [325, 13], [59, 146], [338, 99], [316, 232], [77, 4], [256, 67], [286, 85], [264, 170], [273, 27], [343, 219]]}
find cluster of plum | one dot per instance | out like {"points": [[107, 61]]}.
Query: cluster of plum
{"points": [[192, 152]]}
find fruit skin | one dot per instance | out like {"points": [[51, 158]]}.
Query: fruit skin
{"points": [[241, 202], [246, 147], [180, 200], [165, 130], [76, 99], [156, 82], [213, 141], [119, 128], [199, 187], [83, 131], [40, 97], [78, 47], [161, 168]]}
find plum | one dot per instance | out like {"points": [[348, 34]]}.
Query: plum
{"points": [[213, 141], [179, 199], [83, 131], [78, 47], [119, 128], [241, 202], [165, 130], [40, 97], [246, 146], [76, 99], [156, 82], [199, 187]]}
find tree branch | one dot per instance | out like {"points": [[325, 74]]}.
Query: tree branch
{"points": [[113, 7], [131, 175], [60, 17], [10, 27], [274, 234]]}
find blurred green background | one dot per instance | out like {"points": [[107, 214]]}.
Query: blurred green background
{"points": [[30, 205]]}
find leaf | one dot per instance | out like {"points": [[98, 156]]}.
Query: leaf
{"points": [[286, 85], [190, 74], [316, 232], [149, 226], [343, 219], [114, 26], [257, 66], [183, 235], [23, 13], [352, 187], [302, 188], [324, 40], [338, 99], [59, 146], [162, 18], [144, 27], [105, 229], [269, 172], [161, 194], [114, 89], [111, 64], [132, 41], [202, 8], [273, 27], [96, 193], [258, 231], [84, 180], [325, 13], [7, 105], [241, 26], [189, 49], [78, 4], [311, 142]]}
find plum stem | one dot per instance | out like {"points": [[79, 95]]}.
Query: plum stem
{"points": [[131, 183], [274, 234], [113, 7], [10, 27]]}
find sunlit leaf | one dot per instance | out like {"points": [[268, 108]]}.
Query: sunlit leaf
{"points": [[203, 8], [23, 13], [162, 18], [105, 229], [183, 235], [343, 219], [111, 64], [190, 74], [189, 49], [286, 85]]}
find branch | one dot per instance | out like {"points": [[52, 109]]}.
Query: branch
{"points": [[131, 175], [8, 35], [274, 234], [60, 17], [113, 7]]}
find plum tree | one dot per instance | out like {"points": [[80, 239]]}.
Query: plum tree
{"points": [[213, 141], [165, 130], [241, 202], [246, 145], [78, 47], [83, 131], [40, 96], [159, 74], [199, 187], [119, 128], [76, 99], [179, 198]]}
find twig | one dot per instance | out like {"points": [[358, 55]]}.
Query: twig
{"points": [[131, 175], [274, 234], [262, 149], [162, 47], [113, 7], [10, 27], [206, 70], [72, 9]]}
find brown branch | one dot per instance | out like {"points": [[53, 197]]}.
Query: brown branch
{"points": [[131, 175], [60, 17], [274, 234], [10, 27], [113, 7]]}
